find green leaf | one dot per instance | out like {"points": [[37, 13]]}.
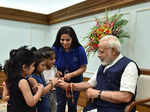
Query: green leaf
{"points": [[121, 22], [113, 18], [124, 35], [119, 16]]}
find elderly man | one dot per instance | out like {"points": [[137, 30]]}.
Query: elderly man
{"points": [[115, 82]]}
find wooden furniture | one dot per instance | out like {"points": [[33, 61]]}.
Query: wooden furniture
{"points": [[83, 98], [143, 93], [2, 78], [85, 8]]}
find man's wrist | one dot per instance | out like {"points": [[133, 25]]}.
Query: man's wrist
{"points": [[100, 94]]}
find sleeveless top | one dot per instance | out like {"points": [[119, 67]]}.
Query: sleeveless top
{"points": [[17, 102]]}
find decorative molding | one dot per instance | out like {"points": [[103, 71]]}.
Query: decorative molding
{"points": [[89, 7], [129, 40], [24, 16], [142, 9], [135, 23], [144, 71], [82, 9], [90, 20]]}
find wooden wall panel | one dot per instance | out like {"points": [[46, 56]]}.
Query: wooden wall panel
{"points": [[145, 71], [25, 16], [2, 79], [142, 108], [89, 7], [82, 9]]}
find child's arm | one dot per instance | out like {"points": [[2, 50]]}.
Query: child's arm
{"points": [[26, 91], [5, 95], [33, 83], [50, 85]]}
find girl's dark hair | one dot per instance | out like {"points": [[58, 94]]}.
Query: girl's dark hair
{"points": [[13, 67], [47, 51], [70, 31], [39, 57]]}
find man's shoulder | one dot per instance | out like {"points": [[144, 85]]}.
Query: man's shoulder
{"points": [[125, 59], [129, 60]]}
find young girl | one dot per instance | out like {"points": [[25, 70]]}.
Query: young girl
{"points": [[40, 66], [17, 89], [50, 73]]}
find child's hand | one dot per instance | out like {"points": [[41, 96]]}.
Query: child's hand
{"points": [[67, 77], [35, 89], [54, 81], [33, 83], [40, 87], [5, 95], [59, 74]]}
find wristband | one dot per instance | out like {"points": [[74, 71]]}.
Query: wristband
{"points": [[99, 95]]}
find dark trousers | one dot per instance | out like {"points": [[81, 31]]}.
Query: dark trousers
{"points": [[94, 105], [44, 105], [90, 106], [62, 100]]}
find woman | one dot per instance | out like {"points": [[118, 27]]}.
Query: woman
{"points": [[71, 62]]}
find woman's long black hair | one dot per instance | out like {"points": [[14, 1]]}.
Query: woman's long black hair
{"points": [[13, 67], [70, 31]]}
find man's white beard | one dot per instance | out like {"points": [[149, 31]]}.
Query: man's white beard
{"points": [[104, 63]]}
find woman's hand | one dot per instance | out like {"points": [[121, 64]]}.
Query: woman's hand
{"points": [[67, 76], [62, 84], [54, 81]]}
